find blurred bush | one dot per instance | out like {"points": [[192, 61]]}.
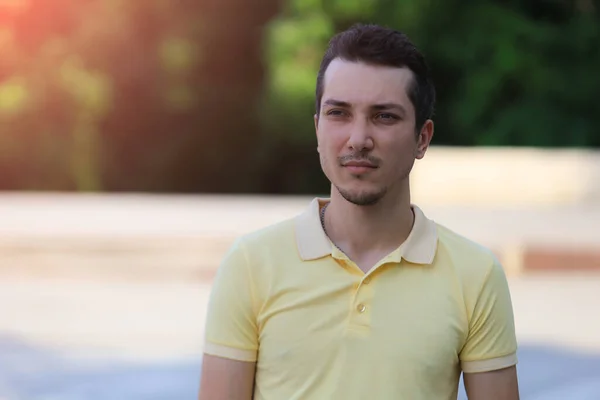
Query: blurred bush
{"points": [[192, 96]]}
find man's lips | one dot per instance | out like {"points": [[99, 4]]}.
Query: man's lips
{"points": [[362, 164], [359, 167]]}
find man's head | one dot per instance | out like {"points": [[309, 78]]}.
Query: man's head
{"points": [[375, 101]]}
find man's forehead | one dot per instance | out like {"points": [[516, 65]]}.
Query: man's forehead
{"points": [[357, 82]]}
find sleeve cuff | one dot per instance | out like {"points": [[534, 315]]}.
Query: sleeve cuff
{"points": [[230, 352], [493, 364]]}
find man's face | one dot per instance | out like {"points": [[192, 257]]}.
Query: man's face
{"points": [[366, 130]]}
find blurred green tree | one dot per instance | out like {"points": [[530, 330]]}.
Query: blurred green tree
{"points": [[520, 73], [189, 96], [138, 96]]}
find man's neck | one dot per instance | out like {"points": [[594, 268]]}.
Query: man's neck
{"points": [[368, 233]]}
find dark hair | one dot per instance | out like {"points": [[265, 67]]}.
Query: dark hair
{"points": [[376, 45]]}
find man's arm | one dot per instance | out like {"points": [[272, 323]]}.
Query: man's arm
{"points": [[231, 332], [501, 384], [226, 379], [489, 356]]}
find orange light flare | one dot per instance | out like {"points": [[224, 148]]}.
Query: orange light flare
{"points": [[31, 22]]}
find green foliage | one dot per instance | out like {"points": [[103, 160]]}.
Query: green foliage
{"points": [[293, 52], [176, 55], [13, 96], [66, 79], [91, 90], [162, 95], [519, 74]]}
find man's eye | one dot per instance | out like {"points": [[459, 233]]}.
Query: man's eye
{"points": [[335, 113], [387, 117]]}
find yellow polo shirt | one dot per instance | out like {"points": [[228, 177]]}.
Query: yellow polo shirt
{"points": [[320, 328]]}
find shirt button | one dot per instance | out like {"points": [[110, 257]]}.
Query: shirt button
{"points": [[361, 308], [367, 280]]}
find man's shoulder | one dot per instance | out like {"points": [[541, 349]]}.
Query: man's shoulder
{"points": [[460, 243], [475, 265], [467, 255]]}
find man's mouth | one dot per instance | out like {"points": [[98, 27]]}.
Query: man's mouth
{"points": [[359, 166]]}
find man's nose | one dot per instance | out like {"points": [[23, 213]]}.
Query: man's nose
{"points": [[360, 136]]}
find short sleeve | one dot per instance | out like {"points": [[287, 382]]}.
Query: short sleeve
{"points": [[231, 328], [491, 342]]}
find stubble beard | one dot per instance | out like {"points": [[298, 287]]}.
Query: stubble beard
{"points": [[362, 198], [368, 198]]}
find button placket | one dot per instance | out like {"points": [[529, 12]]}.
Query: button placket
{"points": [[361, 307]]}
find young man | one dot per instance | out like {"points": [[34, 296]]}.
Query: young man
{"points": [[362, 296]]}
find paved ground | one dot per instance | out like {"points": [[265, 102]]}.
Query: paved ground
{"points": [[103, 341], [32, 373], [130, 215], [177, 236], [127, 324]]}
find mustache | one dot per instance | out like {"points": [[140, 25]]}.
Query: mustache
{"points": [[359, 157]]}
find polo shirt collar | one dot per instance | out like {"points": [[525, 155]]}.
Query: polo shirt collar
{"points": [[419, 248]]}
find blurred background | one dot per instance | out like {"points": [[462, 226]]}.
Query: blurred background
{"points": [[139, 138]]}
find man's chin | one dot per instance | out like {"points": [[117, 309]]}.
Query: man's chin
{"points": [[362, 197]]}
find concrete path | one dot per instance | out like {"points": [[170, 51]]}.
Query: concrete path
{"points": [[125, 216], [184, 237], [545, 374], [104, 297], [76, 339]]}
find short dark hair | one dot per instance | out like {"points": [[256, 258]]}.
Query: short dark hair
{"points": [[377, 45]]}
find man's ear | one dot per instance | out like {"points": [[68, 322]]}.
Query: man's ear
{"points": [[424, 139], [316, 118]]}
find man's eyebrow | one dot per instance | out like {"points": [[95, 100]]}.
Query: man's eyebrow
{"points": [[336, 103], [389, 106], [377, 107]]}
